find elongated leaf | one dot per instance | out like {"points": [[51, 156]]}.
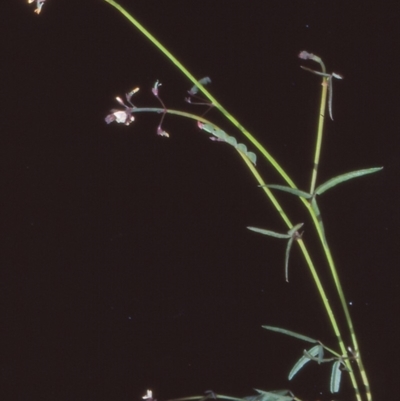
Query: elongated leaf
{"points": [[291, 232], [291, 333], [336, 375], [293, 191], [345, 177], [204, 81], [303, 360], [288, 246], [268, 232]]}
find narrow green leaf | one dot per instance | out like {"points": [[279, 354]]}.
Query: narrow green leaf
{"points": [[291, 232], [289, 245], [291, 333], [268, 232], [293, 191], [303, 360], [345, 177], [336, 375]]}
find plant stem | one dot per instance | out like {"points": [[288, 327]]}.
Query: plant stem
{"points": [[284, 175], [205, 92], [319, 134]]}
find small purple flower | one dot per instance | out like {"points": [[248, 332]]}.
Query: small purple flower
{"points": [[39, 5], [123, 116]]}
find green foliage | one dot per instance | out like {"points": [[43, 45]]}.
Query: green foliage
{"points": [[341, 358], [336, 376], [291, 333], [224, 137], [314, 351], [292, 235]]}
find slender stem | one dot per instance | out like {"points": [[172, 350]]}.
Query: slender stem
{"points": [[319, 134], [346, 312], [284, 175], [312, 270], [327, 251], [276, 204], [205, 92]]}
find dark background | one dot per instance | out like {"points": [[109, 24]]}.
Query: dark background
{"points": [[126, 262]]}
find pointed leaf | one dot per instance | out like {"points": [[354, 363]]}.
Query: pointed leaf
{"points": [[268, 232], [344, 177], [292, 233], [290, 333], [303, 360], [293, 191], [289, 245], [336, 375]]}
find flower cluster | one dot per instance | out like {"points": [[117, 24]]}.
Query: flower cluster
{"points": [[39, 5], [123, 116]]}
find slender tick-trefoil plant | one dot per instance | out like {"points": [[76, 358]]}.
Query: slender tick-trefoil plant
{"points": [[343, 359]]}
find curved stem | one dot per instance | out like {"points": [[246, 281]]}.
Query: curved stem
{"points": [[303, 248], [280, 170], [205, 92]]}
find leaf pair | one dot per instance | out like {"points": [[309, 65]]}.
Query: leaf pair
{"points": [[316, 354], [291, 235], [323, 188]]}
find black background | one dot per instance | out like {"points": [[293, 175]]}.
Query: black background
{"points": [[126, 262]]}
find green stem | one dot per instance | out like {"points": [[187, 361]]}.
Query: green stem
{"points": [[280, 170], [327, 251], [319, 134], [205, 92]]}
